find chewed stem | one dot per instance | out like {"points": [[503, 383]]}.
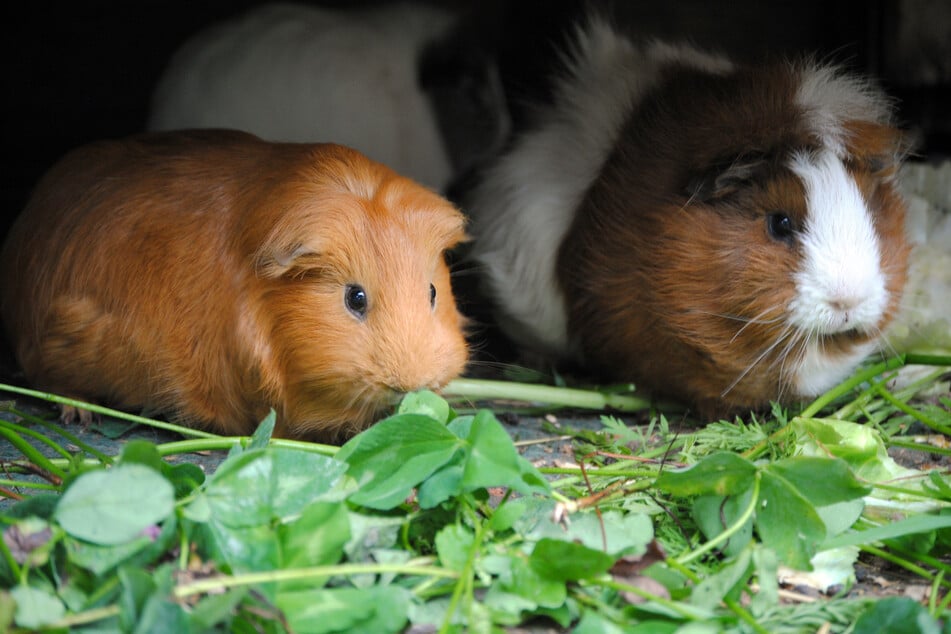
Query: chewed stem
{"points": [[477, 389]]}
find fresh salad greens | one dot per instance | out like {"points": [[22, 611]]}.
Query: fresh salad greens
{"points": [[432, 521]]}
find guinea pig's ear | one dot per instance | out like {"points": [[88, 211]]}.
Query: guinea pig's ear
{"points": [[876, 147], [724, 177], [281, 255]]}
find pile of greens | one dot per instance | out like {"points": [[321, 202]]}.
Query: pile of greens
{"points": [[431, 520]]}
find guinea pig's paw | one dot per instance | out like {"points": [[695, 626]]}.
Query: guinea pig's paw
{"points": [[69, 415]]}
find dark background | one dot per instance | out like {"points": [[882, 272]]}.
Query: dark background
{"points": [[79, 71]]}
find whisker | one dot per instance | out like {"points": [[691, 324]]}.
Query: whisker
{"points": [[756, 362]]}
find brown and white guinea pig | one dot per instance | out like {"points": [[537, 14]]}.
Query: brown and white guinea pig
{"points": [[722, 234], [213, 275]]}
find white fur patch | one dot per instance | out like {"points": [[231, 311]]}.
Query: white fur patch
{"points": [[289, 72], [829, 98], [840, 286], [525, 203]]}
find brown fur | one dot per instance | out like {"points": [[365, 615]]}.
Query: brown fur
{"points": [[203, 273], [669, 252]]}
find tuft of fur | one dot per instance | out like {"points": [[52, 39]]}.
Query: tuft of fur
{"points": [[639, 244], [202, 274]]}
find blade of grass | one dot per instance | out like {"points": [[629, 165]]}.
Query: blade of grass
{"points": [[850, 384], [106, 411], [73, 438], [30, 452]]}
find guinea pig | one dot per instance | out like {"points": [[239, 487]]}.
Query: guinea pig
{"points": [[292, 72], [212, 275], [725, 235]]}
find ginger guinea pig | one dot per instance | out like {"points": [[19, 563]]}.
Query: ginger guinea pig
{"points": [[721, 234], [212, 275]]}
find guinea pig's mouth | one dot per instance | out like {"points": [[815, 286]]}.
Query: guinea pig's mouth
{"points": [[843, 337]]}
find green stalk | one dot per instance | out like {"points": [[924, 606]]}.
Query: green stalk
{"points": [[729, 532], [745, 616], [30, 452], [82, 618], [35, 435], [40, 486], [917, 446], [923, 358], [106, 411], [464, 581], [481, 389], [60, 430], [253, 578], [905, 408], [898, 561], [847, 386], [227, 442], [683, 609]]}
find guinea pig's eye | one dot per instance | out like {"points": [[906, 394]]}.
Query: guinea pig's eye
{"points": [[356, 300], [780, 226], [432, 296]]}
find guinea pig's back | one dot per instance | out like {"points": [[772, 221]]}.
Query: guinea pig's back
{"points": [[114, 277]]}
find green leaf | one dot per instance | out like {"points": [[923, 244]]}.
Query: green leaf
{"points": [[725, 583], [36, 608], [766, 565], [316, 538], [787, 522], [261, 485], [113, 506], [716, 513], [442, 485], [896, 615], [505, 515], [453, 545], [395, 455], [425, 403], [626, 533], [822, 481], [141, 452], [720, 474], [215, 609], [255, 490], [566, 561], [909, 526], [526, 582], [378, 609], [494, 461], [136, 585], [262, 435]]}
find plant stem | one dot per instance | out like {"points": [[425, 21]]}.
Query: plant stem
{"points": [[744, 615], [903, 407], [898, 561], [227, 442], [730, 531], [850, 384], [40, 486], [62, 431], [29, 451], [464, 581], [223, 582], [106, 411], [480, 389], [684, 609]]}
